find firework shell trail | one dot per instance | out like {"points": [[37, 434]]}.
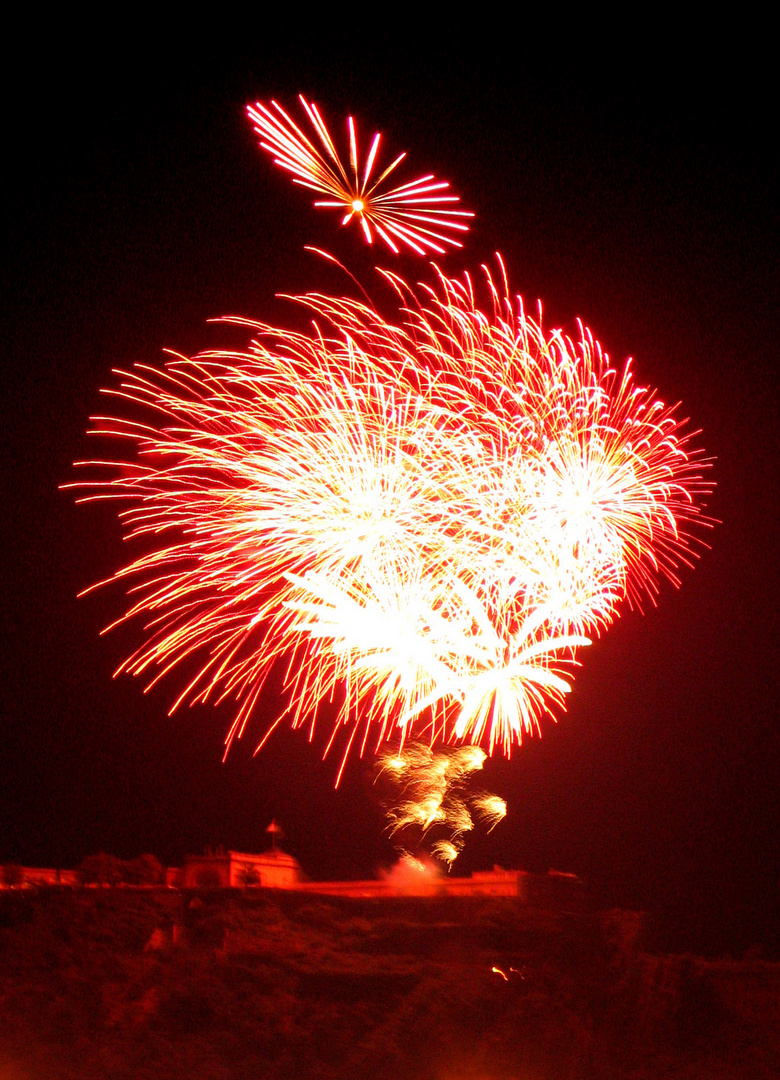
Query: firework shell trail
{"points": [[421, 215], [426, 516]]}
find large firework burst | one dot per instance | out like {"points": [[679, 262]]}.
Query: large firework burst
{"points": [[419, 214], [427, 516]]}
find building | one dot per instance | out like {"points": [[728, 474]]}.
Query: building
{"points": [[553, 889], [235, 869], [27, 876]]}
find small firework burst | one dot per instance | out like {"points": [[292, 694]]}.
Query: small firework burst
{"points": [[490, 808], [420, 214], [431, 802]]}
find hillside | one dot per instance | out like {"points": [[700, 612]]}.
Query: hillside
{"points": [[134, 983]]}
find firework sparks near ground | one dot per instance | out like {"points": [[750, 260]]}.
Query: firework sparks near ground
{"points": [[420, 214], [431, 798], [427, 516]]}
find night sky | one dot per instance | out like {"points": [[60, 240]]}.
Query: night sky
{"points": [[639, 197]]}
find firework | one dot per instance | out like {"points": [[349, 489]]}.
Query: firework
{"points": [[446, 851], [420, 214], [426, 516], [491, 809], [431, 796]]}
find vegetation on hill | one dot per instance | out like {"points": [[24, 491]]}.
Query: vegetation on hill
{"points": [[99, 983]]}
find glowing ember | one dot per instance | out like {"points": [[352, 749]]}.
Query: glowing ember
{"points": [[419, 214], [427, 516]]}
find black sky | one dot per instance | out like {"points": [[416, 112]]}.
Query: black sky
{"points": [[638, 196]]}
